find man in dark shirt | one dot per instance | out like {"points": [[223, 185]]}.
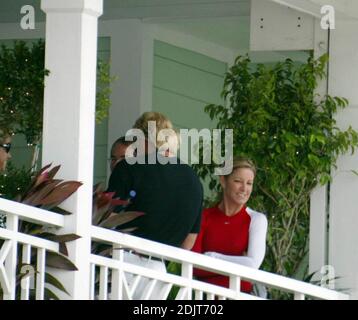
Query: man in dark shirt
{"points": [[169, 194]]}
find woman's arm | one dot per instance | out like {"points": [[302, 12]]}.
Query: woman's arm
{"points": [[257, 243], [189, 241]]}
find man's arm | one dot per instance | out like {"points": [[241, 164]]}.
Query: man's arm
{"points": [[189, 241], [119, 180]]}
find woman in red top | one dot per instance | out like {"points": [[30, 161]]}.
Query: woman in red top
{"points": [[231, 231]]}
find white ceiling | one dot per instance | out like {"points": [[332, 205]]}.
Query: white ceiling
{"points": [[222, 22], [162, 9], [142, 9], [229, 32]]}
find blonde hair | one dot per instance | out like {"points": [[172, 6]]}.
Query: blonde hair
{"points": [[242, 162], [238, 163], [173, 141], [161, 122]]}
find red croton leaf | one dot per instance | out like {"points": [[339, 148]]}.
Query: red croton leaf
{"points": [[119, 202], [61, 192]]}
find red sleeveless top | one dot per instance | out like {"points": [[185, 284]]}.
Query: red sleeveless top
{"points": [[223, 234]]}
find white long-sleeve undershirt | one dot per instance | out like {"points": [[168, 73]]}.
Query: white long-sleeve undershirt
{"points": [[257, 243]]}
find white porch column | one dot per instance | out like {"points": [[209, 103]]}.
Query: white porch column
{"points": [[318, 236], [69, 109], [343, 232]]}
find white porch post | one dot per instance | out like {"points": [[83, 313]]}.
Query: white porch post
{"points": [[343, 235], [69, 109], [318, 200]]}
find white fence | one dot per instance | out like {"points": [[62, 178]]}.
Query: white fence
{"points": [[13, 241], [118, 275], [125, 276]]}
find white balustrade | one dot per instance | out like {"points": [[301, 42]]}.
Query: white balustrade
{"points": [[12, 242], [116, 277], [125, 289]]}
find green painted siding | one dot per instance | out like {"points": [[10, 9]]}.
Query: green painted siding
{"points": [[101, 131], [22, 153], [184, 82]]}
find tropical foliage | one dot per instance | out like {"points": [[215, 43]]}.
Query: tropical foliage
{"points": [[103, 215], [45, 192], [22, 77]]}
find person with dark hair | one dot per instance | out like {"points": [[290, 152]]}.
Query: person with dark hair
{"points": [[230, 230], [118, 151]]}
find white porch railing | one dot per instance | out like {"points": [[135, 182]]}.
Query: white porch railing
{"points": [[125, 276], [115, 277], [13, 241]]}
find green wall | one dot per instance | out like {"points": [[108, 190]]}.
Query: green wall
{"points": [[184, 82], [101, 131]]}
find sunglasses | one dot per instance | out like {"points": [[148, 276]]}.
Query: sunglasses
{"points": [[6, 146]]}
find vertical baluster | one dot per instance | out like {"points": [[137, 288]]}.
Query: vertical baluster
{"points": [[117, 274], [299, 296], [210, 296], [235, 284], [187, 272], [25, 283], [92, 281], [12, 224], [40, 275], [103, 283], [199, 295]]}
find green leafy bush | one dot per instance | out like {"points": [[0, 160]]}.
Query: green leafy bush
{"points": [[22, 77]]}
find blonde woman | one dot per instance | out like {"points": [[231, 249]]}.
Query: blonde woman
{"points": [[232, 231]]}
